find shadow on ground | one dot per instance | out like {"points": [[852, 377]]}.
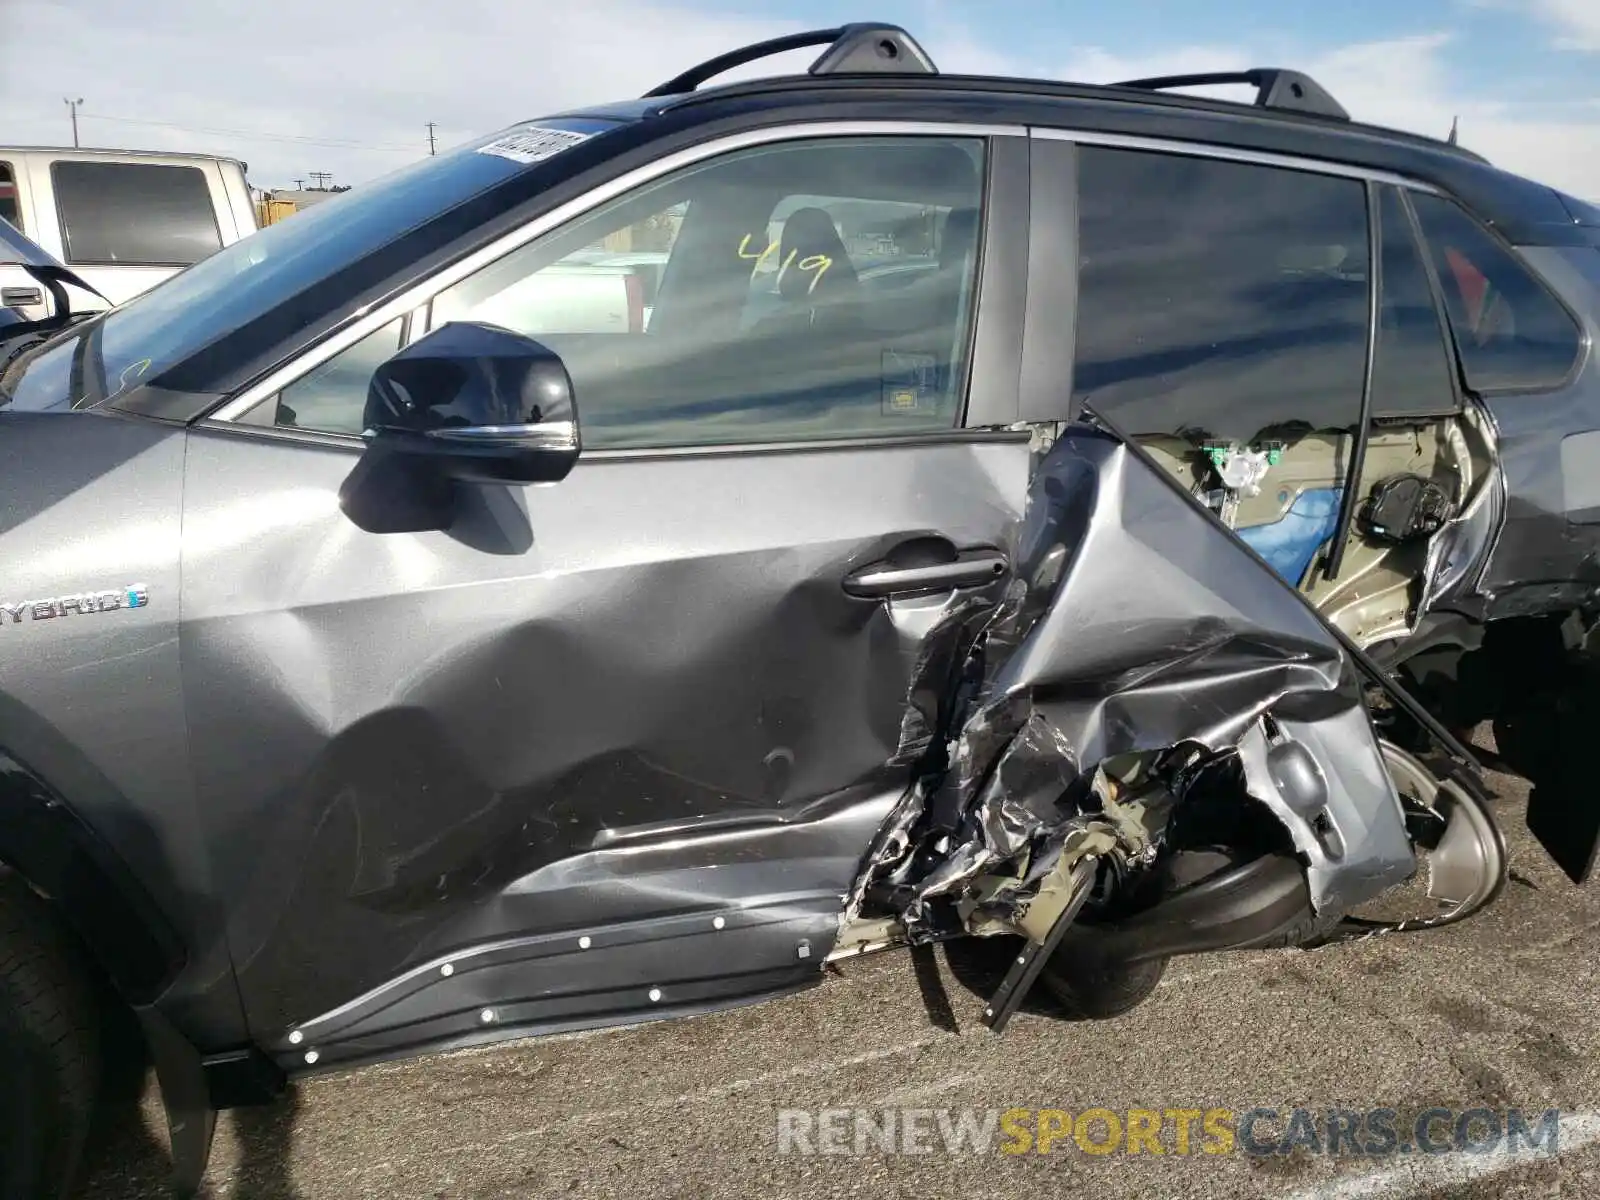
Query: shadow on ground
{"points": [[127, 1157], [978, 966]]}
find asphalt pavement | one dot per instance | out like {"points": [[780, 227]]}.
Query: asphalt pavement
{"points": [[1495, 1014]]}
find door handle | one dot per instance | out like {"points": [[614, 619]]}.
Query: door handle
{"points": [[20, 297], [969, 569]]}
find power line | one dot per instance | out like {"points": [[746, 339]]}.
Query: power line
{"points": [[289, 138]]}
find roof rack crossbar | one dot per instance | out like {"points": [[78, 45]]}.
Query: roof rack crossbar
{"points": [[1276, 87], [858, 49]]}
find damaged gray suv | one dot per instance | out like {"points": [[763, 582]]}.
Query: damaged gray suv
{"points": [[615, 568]]}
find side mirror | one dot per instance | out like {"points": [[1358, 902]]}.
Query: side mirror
{"points": [[479, 403]]}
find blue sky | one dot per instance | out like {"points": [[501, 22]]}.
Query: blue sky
{"points": [[1514, 43], [1489, 39], [348, 87]]}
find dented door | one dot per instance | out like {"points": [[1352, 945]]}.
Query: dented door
{"points": [[614, 746]]}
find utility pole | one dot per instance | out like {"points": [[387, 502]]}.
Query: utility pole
{"points": [[72, 107], [299, 185], [431, 151], [1455, 129], [321, 178]]}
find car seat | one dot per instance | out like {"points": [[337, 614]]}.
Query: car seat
{"points": [[810, 234]]}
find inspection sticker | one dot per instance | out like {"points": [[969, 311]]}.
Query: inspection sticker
{"points": [[533, 145], [910, 383]]}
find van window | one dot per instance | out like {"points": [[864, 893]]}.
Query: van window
{"points": [[606, 286], [1510, 332], [1220, 301], [10, 200], [134, 214]]}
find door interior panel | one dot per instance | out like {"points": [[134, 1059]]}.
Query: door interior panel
{"points": [[1292, 520]]}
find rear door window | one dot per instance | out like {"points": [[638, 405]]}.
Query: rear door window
{"points": [[1220, 301], [10, 197], [134, 214], [1511, 333]]}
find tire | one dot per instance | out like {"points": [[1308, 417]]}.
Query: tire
{"points": [[1312, 930], [49, 1049], [1089, 987]]}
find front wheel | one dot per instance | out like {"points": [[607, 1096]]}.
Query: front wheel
{"points": [[49, 1047]]}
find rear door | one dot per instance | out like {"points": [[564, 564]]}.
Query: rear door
{"points": [[618, 745], [1219, 313], [1238, 313]]}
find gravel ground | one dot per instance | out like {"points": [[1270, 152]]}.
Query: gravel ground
{"points": [[1493, 1013]]}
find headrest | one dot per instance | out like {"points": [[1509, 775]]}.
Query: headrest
{"points": [[807, 234]]}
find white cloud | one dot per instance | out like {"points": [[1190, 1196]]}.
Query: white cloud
{"points": [[1577, 22], [297, 72], [370, 76], [1405, 84]]}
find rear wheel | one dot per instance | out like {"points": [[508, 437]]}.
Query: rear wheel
{"points": [[1463, 866], [1461, 852], [49, 1049]]}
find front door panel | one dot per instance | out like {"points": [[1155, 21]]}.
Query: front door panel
{"points": [[616, 708]]}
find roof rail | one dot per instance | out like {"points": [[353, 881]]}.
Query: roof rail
{"points": [[859, 49], [1291, 91]]}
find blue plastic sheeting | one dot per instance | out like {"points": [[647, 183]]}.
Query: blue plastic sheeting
{"points": [[1292, 541]]}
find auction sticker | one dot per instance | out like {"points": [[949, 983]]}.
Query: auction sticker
{"points": [[534, 144]]}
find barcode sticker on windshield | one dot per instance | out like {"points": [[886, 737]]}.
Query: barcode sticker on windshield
{"points": [[533, 145]]}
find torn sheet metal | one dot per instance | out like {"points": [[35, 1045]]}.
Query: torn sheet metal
{"points": [[1139, 626], [1459, 553]]}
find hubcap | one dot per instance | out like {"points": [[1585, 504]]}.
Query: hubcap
{"points": [[1461, 855]]}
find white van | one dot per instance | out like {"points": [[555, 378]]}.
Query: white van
{"points": [[124, 220]]}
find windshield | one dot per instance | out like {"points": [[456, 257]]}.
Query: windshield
{"points": [[256, 275]]}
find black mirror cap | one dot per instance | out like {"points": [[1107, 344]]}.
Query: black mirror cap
{"points": [[485, 404]]}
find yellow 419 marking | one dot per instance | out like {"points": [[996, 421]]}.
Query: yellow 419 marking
{"points": [[815, 265]]}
